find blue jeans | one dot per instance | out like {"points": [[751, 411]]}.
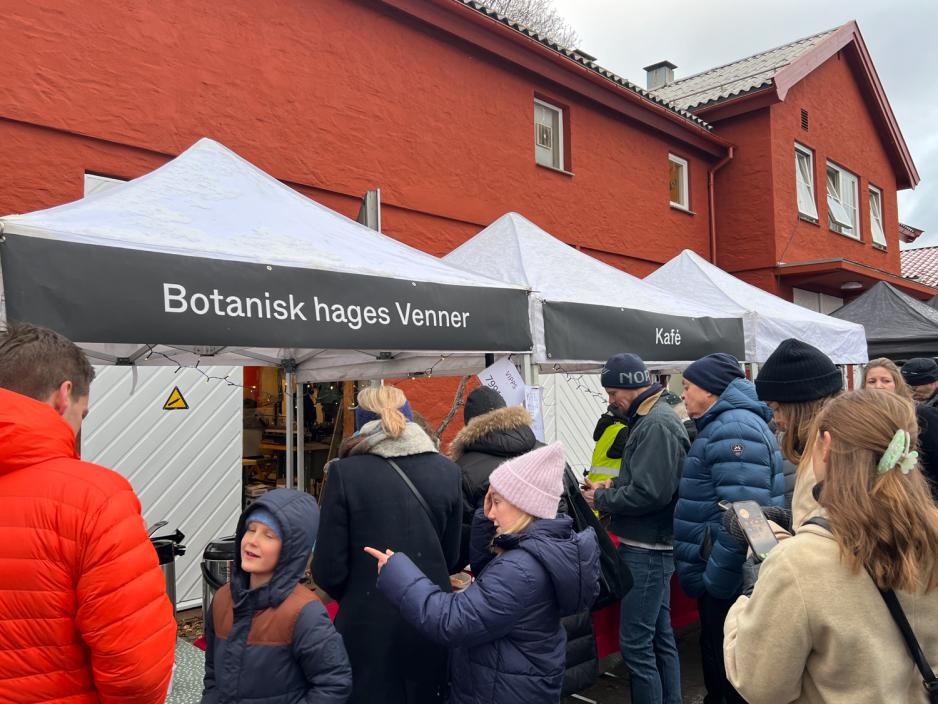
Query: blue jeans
{"points": [[645, 636]]}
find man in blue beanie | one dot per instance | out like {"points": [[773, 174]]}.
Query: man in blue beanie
{"points": [[640, 501], [735, 457]]}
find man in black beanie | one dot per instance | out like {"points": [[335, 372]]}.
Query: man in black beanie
{"points": [[735, 457], [640, 501], [921, 374]]}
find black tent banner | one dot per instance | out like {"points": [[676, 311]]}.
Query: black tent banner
{"points": [[584, 331], [101, 294]]}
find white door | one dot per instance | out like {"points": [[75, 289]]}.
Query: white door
{"points": [[184, 464]]}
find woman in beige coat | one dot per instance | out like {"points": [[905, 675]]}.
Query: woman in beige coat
{"points": [[816, 629]]}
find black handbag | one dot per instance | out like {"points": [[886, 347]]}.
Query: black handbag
{"points": [[615, 578], [929, 681]]}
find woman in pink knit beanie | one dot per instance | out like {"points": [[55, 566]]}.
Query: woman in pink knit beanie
{"points": [[504, 633]]}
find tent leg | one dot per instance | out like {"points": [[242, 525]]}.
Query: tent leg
{"points": [[291, 406], [300, 439]]}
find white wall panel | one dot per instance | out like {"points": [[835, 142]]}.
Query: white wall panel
{"points": [[185, 465], [572, 405]]}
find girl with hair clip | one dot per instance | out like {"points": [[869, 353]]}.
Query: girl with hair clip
{"points": [[371, 497], [507, 641], [883, 374], [815, 628]]}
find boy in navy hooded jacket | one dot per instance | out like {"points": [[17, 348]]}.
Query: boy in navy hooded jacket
{"points": [[269, 639]]}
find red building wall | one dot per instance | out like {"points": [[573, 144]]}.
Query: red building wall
{"points": [[841, 130], [745, 222], [337, 96], [757, 211], [334, 97]]}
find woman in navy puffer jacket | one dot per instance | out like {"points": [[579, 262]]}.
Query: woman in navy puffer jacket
{"points": [[508, 645]]}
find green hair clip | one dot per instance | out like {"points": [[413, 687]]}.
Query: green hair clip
{"points": [[898, 454]]}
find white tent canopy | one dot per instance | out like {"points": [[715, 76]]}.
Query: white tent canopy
{"points": [[603, 309], [210, 258], [768, 319]]}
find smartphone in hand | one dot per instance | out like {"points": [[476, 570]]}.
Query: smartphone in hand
{"points": [[755, 527]]}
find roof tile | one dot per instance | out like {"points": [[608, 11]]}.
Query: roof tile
{"points": [[736, 78], [921, 264]]}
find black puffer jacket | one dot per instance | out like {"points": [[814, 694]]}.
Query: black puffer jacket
{"points": [[928, 445], [483, 444]]}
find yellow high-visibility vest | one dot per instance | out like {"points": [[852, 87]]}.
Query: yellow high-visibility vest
{"points": [[604, 467]]}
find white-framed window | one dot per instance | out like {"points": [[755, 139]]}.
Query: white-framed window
{"points": [[843, 214], [548, 135], [677, 182], [97, 184], [877, 231], [804, 178]]}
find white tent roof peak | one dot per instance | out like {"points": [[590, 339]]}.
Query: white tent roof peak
{"points": [[210, 202], [768, 319], [516, 250]]}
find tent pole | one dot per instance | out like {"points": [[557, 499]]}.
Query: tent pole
{"points": [[300, 439], [291, 406]]}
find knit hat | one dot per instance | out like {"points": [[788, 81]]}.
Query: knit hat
{"points": [[482, 400], [363, 416], [797, 371], [625, 371], [714, 372], [920, 371], [533, 481], [262, 515]]}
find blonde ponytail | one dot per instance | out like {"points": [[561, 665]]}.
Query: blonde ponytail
{"points": [[386, 401]]}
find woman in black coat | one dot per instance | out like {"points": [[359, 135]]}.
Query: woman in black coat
{"points": [[366, 502], [883, 374]]}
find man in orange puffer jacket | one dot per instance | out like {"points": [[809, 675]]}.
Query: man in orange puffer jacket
{"points": [[84, 616]]}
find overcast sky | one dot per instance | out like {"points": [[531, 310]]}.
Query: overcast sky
{"points": [[902, 38]]}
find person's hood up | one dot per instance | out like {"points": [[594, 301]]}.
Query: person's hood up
{"points": [[31, 432], [298, 517], [504, 432], [571, 559], [739, 395]]}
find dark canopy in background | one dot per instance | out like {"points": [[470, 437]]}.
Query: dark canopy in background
{"points": [[897, 326]]}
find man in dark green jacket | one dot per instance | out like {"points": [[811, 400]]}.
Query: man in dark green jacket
{"points": [[640, 503]]}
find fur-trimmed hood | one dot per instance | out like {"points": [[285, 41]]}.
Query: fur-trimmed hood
{"points": [[504, 431]]}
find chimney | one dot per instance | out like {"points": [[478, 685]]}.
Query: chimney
{"points": [[659, 75]]}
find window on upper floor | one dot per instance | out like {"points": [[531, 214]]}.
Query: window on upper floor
{"points": [[548, 135], [843, 214], [97, 184], [804, 178], [878, 233], [677, 182]]}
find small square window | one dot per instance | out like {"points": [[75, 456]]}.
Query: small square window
{"points": [[548, 135], [804, 179], [843, 214], [876, 216], [677, 182]]}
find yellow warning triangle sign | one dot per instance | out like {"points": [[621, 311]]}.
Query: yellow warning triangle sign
{"points": [[175, 402]]}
